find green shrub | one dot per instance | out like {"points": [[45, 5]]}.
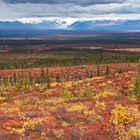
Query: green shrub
{"points": [[107, 71], [136, 89]]}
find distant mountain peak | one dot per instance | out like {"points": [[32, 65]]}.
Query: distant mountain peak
{"points": [[106, 25], [92, 25]]}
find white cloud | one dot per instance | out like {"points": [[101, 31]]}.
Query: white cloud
{"points": [[38, 12]]}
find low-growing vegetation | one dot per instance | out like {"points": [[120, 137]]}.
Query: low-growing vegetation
{"points": [[84, 102]]}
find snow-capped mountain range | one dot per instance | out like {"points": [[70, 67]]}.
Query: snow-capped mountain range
{"points": [[83, 25]]}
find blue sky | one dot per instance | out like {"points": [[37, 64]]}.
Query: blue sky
{"points": [[70, 10]]}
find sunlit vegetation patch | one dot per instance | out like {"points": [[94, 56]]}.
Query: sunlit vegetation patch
{"points": [[121, 116]]}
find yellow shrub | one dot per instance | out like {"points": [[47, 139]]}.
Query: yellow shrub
{"points": [[121, 116], [31, 123], [134, 132], [100, 105], [2, 99], [20, 131], [77, 108], [105, 94], [13, 109], [54, 101]]}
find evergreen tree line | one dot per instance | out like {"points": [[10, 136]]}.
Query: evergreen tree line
{"points": [[88, 58], [21, 79]]}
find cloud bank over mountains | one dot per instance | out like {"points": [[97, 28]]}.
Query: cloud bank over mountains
{"points": [[78, 2]]}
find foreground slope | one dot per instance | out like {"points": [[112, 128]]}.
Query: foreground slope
{"points": [[91, 108]]}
